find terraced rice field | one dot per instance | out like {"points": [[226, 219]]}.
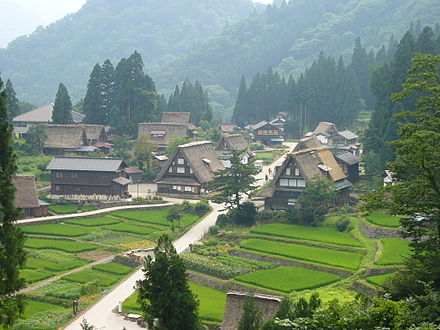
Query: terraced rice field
{"points": [[59, 244], [288, 279], [319, 234], [35, 263], [394, 251], [379, 280], [383, 220], [93, 222], [56, 230], [88, 275], [31, 275], [133, 229], [350, 260], [212, 302], [113, 268]]}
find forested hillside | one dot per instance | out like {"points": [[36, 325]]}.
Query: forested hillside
{"points": [[290, 37], [66, 50]]}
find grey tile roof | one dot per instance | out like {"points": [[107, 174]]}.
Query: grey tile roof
{"points": [[349, 135], [85, 164], [348, 158]]}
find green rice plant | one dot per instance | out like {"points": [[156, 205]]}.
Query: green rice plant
{"points": [[212, 302], [92, 222], [156, 217], [394, 252], [70, 208], [102, 235], [58, 229], [130, 305], [127, 228], [57, 244], [379, 280], [383, 220], [319, 234], [350, 260], [250, 264], [113, 268], [288, 279], [32, 276], [88, 275], [35, 263], [33, 307], [62, 289], [47, 320], [51, 255]]}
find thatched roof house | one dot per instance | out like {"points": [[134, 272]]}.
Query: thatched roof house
{"points": [[229, 143], [189, 169], [183, 118], [307, 143], [297, 170], [162, 133], [328, 134], [95, 133], [26, 196], [64, 138]]}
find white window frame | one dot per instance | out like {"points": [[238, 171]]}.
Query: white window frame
{"points": [[170, 169], [301, 183], [288, 171], [292, 183], [180, 170], [284, 182], [291, 201], [175, 187], [191, 170], [188, 189], [296, 171], [180, 161]]}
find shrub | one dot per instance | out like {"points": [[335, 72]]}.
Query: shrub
{"points": [[342, 224], [271, 216], [186, 206], [90, 288], [126, 261], [214, 230], [246, 215], [202, 207], [223, 220], [45, 320]]}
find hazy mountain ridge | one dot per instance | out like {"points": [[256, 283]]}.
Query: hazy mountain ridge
{"points": [[67, 49]]}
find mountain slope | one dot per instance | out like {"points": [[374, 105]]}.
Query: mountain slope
{"points": [[67, 50], [291, 36]]}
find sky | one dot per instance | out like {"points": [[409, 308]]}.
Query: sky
{"points": [[38, 12]]}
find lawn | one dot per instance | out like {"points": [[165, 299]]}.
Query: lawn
{"points": [[113, 268], [394, 251], [383, 220], [320, 234], [70, 208], [268, 157], [92, 222], [127, 228], [36, 263], [33, 307], [288, 279], [58, 229], [379, 280], [324, 256], [32, 276], [88, 275], [211, 308], [156, 217], [57, 244]]}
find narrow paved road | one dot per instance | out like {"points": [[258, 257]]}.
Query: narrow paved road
{"points": [[101, 316]]}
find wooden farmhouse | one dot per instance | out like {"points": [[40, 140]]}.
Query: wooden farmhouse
{"points": [[63, 139], [88, 176], [39, 116], [298, 169], [26, 196], [266, 133], [161, 134], [189, 169], [228, 128], [329, 136], [95, 133], [232, 142], [183, 118]]}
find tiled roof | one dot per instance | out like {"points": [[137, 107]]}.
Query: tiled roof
{"points": [[85, 164], [349, 135]]}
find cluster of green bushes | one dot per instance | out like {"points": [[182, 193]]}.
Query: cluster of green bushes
{"points": [[126, 261], [48, 320], [246, 215], [147, 199]]}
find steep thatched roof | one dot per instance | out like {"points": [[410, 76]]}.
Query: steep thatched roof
{"points": [[95, 132], [65, 136], [168, 130], [201, 158], [26, 195], [311, 163], [183, 118], [325, 127], [307, 143], [229, 128], [233, 142]]}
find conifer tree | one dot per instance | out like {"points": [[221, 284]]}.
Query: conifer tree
{"points": [[93, 100], [107, 89], [12, 101], [359, 65], [426, 43], [12, 255], [240, 116], [62, 109]]}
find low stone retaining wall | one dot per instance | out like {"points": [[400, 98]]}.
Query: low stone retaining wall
{"points": [[380, 271], [364, 288], [283, 262], [374, 232]]}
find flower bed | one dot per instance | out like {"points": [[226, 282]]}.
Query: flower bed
{"points": [[350, 260], [288, 279]]}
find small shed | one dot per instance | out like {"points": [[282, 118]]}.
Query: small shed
{"points": [[134, 174], [26, 196]]}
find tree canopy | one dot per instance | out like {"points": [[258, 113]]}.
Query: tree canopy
{"points": [[62, 108]]}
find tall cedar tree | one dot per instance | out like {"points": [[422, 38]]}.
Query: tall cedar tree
{"points": [[416, 169], [12, 101], [12, 255], [164, 293], [107, 89], [62, 109], [360, 65], [93, 100], [235, 182], [135, 97]]}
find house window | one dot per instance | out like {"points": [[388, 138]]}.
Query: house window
{"points": [[296, 171], [301, 183], [57, 188], [288, 171], [174, 187], [170, 169], [202, 190], [58, 175], [292, 183], [291, 201], [284, 182], [188, 189], [181, 170], [180, 161], [191, 170], [179, 188]]}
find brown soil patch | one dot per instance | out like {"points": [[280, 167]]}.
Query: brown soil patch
{"points": [[96, 255]]}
